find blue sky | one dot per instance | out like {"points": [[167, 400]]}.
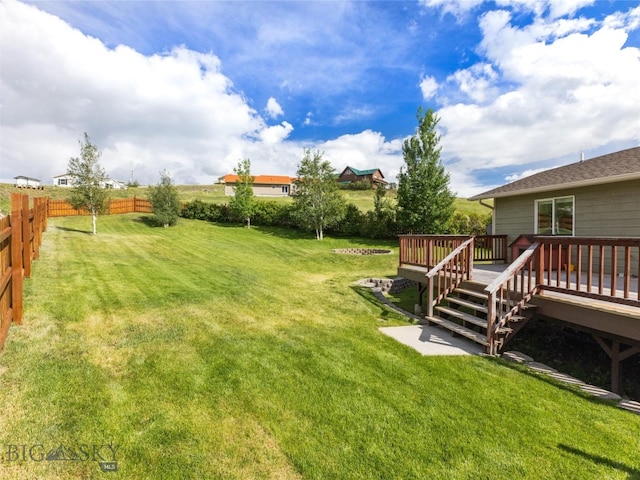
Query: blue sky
{"points": [[193, 87]]}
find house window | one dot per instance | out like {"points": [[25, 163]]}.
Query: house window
{"points": [[554, 216], [285, 188], [62, 181]]}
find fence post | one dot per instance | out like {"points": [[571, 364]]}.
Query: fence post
{"points": [[26, 236], [16, 257]]}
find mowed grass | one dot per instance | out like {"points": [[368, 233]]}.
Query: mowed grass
{"points": [[204, 351]]}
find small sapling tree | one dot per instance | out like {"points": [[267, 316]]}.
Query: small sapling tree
{"points": [[164, 201], [317, 202], [242, 204], [89, 190]]}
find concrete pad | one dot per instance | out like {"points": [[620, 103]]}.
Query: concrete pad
{"points": [[432, 340]]}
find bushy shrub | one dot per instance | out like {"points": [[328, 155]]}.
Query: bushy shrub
{"points": [[351, 224], [271, 214], [472, 224], [210, 212]]}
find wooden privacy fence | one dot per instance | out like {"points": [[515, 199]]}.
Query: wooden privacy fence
{"points": [[20, 240], [117, 206]]}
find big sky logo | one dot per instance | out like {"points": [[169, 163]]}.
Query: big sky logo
{"points": [[104, 454]]}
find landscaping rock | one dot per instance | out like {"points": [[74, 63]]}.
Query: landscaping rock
{"points": [[517, 357], [630, 405], [563, 377], [542, 368], [600, 392]]}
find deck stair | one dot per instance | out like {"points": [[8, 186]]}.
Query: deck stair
{"points": [[464, 313]]}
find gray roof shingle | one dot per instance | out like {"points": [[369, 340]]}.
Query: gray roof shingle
{"points": [[613, 167]]}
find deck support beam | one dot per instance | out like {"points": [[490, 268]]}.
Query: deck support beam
{"points": [[617, 357]]}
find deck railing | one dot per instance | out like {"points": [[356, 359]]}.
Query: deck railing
{"points": [[428, 250], [597, 268], [490, 248], [452, 270], [508, 293]]}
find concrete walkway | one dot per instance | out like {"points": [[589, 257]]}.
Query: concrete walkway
{"points": [[432, 340]]}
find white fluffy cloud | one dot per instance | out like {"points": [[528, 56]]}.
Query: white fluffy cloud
{"points": [[543, 92], [428, 87], [273, 108], [146, 113]]}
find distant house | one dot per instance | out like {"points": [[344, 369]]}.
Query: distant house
{"points": [[114, 184], [263, 185], [66, 180], [27, 182], [352, 175], [590, 198]]}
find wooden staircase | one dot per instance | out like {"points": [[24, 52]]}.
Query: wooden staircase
{"points": [[464, 313]]}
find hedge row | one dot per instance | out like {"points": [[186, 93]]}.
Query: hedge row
{"points": [[373, 224]]}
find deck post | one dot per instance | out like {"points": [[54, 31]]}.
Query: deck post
{"points": [[491, 321], [430, 296], [616, 378]]}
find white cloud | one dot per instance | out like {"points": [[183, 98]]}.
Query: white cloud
{"points": [[307, 119], [457, 8], [526, 173], [542, 92], [477, 82], [428, 87], [273, 108], [175, 111], [276, 133]]}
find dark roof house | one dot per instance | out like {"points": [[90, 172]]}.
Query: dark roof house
{"points": [[352, 175]]}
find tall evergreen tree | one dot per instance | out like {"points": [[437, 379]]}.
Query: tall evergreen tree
{"points": [[317, 202], [164, 200], [424, 202], [89, 190], [242, 204]]}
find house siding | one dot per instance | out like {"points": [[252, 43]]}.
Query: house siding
{"points": [[608, 210], [262, 190]]}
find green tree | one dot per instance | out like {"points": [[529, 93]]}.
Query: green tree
{"points": [[164, 201], [89, 191], [317, 202], [242, 204], [425, 202]]}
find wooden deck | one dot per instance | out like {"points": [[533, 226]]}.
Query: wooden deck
{"points": [[588, 283]]}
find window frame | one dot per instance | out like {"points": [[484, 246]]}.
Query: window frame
{"points": [[553, 201]]}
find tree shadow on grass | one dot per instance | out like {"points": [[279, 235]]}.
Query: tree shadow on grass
{"points": [[148, 220], [634, 473], [76, 230], [388, 311]]}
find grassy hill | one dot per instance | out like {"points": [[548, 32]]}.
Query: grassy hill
{"points": [[215, 194]]}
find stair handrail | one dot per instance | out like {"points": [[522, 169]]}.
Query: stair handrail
{"points": [[457, 267], [505, 298]]}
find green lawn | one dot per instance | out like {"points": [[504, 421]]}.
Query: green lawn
{"points": [[204, 351]]}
